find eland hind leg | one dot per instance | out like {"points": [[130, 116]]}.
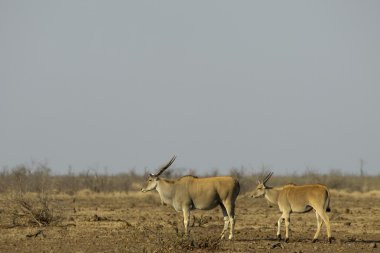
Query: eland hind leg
{"points": [[319, 225], [326, 220], [226, 221], [230, 208]]}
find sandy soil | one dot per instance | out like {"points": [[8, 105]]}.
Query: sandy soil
{"points": [[137, 222]]}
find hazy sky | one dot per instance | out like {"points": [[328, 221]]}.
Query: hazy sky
{"points": [[126, 84]]}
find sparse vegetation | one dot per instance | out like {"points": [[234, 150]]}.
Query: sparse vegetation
{"points": [[38, 178], [95, 212], [25, 209]]}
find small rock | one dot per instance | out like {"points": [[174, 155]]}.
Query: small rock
{"points": [[373, 245], [347, 223]]}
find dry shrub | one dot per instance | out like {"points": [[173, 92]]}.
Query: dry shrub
{"points": [[38, 177], [31, 210]]}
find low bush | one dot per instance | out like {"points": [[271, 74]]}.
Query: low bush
{"points": [[31, 210]]}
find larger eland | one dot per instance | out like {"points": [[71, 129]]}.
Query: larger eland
{"points": [[299, 199], [189, 192]]}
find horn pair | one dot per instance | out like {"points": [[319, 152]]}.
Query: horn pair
{"points": [[164, 167], [267, 177]]}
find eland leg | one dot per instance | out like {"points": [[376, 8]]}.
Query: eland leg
{"points": [[186, 219], [230, 208], [326, 220], [226, 221], [319, 225], [286, 217], [279, 227]]}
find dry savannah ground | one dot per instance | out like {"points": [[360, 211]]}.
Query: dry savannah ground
{"points": [[137, 222]]}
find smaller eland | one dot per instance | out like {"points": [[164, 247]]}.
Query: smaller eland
{"points": [[189, 192], [298, 199]]}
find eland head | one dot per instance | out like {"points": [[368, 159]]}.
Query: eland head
{"points": [[152, 180], [261, 186]]}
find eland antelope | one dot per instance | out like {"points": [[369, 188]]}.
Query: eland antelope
{"points": [[299, 199], [189, 192]]}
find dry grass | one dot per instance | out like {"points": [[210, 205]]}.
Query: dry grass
{"points": [[90, 212], [356, 194], [137, 222]]}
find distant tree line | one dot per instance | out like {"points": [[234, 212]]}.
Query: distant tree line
{"points": [[39, 178]]}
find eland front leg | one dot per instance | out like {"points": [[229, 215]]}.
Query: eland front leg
{"points": [[286, 217], [279, 228], [186, 219]]}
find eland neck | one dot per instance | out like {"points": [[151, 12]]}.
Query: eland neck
{"points": [[271, 194], [165, 189]]}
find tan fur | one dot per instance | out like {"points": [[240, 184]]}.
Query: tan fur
{"points": [[188, 192], [299, 199]]}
